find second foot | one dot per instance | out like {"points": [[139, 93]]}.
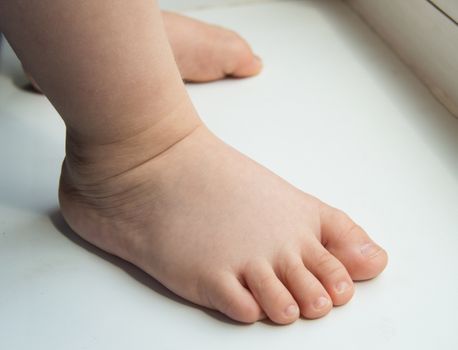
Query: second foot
{"points": [[206, 52], [220, 230]]}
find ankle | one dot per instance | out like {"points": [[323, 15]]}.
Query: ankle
{"points": [[89, 163]]}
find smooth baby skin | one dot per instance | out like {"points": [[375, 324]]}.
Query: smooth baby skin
{"points": [[222, 231], [144, 179], [204, 52]]}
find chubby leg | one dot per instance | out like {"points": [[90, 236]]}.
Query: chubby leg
{"points": [[144, 179], [205, 52]]}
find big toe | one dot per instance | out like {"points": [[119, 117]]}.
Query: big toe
{"points": [[238, 58], [246, 66], [362, 257]]}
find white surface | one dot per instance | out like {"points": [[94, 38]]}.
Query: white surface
{"points": [[336, 114], [177, 5], [200, 4]]}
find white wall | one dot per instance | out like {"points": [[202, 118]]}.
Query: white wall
{"points": [[450, 7], [423, 37]]}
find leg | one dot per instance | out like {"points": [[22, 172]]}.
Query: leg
{"points": [[205, 52], [144, 179]]}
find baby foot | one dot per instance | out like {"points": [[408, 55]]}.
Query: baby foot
{"points": [[204, 52], [217, 228]]}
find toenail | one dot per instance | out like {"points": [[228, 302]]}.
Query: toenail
{"points": [[342, 287], [321, 302], [292, 310], [369, 249]]}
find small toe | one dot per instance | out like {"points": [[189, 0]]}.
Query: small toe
{"points": [[329, 271], [227, 295], [313, 300], [270, 293], [349, 243]]}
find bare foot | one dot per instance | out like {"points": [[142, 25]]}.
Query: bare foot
{"points": [[204, 52], [216, 228]]}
